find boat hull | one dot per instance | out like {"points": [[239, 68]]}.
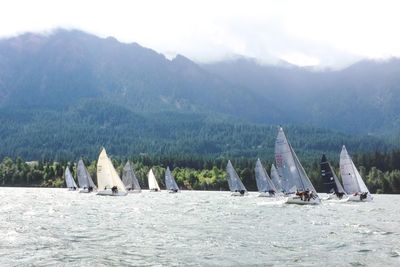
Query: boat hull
{"points": [[356, 198], [335, 200], [266, 194], [297, 200], [72, 189], [86, 190], [134, 191], [238, 194], [173, 191], [110, 193], [154, 190]]}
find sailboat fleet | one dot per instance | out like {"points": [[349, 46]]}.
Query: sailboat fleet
{"points": [[288, 179]]}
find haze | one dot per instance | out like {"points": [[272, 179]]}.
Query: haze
{"points": [[305, 33]]}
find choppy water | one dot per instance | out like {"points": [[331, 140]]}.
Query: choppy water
{"points": [[57, 227]]}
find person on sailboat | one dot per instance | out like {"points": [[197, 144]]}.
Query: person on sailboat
{"points": [[271, 192], [114, 189], [363, 195], [90, 188], [339, 194], [300, 194], [307, 195], [242, 192]]}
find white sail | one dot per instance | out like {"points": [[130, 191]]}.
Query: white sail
{"points": [[275, 178], [289, 166], [107, 176], [352, 180], [129, 178], [234, 182], [307, 185], [294, 178], [153, 185], [69, 179], [84, 178], [264, 183], [170, 182]]}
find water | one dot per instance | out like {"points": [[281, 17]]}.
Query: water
{"points": [[56, 227]]}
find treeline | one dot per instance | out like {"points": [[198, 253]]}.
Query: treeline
{"points": [[40, 134], [199, 173]]}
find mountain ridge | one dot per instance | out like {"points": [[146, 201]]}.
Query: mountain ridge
{"points": [[70, 88]]}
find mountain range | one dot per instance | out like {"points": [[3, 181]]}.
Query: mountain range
{"points": [[67, 93]]}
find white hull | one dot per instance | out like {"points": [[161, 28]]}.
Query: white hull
{"points": [[154, 190], [85, 191], [173, 192], [335, 199], [134, 191], [237, 194], [266, 194], [356, 198], [110, 193], [297, 200], [72, 189]]}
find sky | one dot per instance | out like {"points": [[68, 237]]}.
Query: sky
{"points": [[321, 33]]}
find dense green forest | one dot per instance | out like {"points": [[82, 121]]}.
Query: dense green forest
{"points": [[381, 171], [40, 134]]}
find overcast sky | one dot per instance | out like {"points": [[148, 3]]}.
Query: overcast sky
{"points": [[316, 32]]}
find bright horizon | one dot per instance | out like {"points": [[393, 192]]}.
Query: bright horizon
{"points": [[305, 33]]}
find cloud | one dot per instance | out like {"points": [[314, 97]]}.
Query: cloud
{"points": [[323, 33]]}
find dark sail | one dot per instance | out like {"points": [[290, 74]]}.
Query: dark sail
{"points": [[329, 178]]}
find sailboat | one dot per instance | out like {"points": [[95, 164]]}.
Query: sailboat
{"points": [[108, 181], [130, 180], [264, 184], [84, 179], [295, 182], [170, 182], [69, 180], [352, 181], [275, 179], [332, 184], [153, 185], [235, 184]]}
